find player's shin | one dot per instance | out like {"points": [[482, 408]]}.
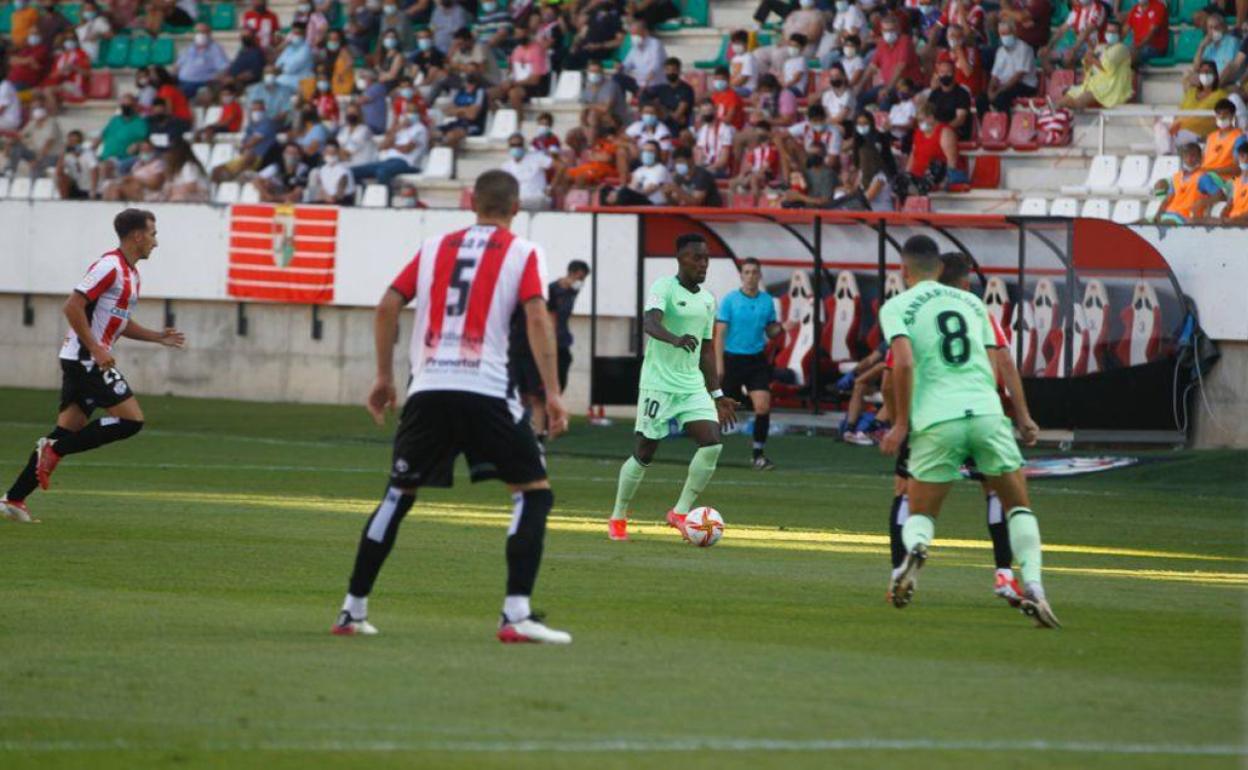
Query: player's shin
{"points": [[631, 474], [1025, 542], [897, 516], [103, 431], [999, 531], [27, 480], [919, 529], [524, 549], [762, 426], [701, 468], [375, 543]]}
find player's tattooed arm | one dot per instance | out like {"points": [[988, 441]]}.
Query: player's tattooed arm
{"points": [[652, 324]]}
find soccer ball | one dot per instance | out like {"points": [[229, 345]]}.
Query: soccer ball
{"points": [[704, 527]]}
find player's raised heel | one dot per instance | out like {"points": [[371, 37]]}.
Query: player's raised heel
{"points": [[346, 625], [677, 521], [16, 510], [531, 630], [46, 461], [1039, 611], [902, 589], [617, 529], [1008, 589]]}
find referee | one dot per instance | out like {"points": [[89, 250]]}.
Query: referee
{"points": [[746, 320]]}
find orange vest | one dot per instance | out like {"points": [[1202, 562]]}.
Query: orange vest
{"points": [[1239, 198], [1220, 149], [1186, 194]]}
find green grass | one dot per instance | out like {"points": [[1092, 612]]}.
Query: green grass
{"points": [[172, 610]]}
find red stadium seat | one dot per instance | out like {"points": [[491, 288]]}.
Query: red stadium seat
{"points": [[918, 204], [842, 318], [997, 300], [994, 131], [1023, 130], [100, 85], [797, 346], [742, 201], [1025, 337], [1050, 339], [465, 199], [986, 173], [697, 81], [1058, 83], [1141, 325], [1096, 315]]}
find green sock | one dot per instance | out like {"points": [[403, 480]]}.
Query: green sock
{"points": [[701, 468], [631, 474], [1025, 542], [919, 528]]}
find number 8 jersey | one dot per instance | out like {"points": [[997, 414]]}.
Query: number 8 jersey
{"points": [[949, 331], [467, 284]]}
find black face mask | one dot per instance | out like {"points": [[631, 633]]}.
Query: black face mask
{"points": [[708, 117], [672, 77], [127, 110], [946, 80], [837, 83], [353, 120], [814, 161]]}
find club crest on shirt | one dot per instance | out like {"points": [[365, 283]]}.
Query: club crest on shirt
{"points": [[283, 235]]}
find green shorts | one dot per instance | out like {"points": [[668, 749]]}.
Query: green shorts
{"points": [[938, 451], [655, 408]]}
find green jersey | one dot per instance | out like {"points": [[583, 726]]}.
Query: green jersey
{"points": [[949, 331], [666, 367]]}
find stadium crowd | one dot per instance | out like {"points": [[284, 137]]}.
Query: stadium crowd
{"points": [[847, 104]]}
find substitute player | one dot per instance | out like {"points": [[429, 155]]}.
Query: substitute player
{"points": [[956, 272], [945, 390], [460, 400], [679, 381], [98, 312], [746, 320]]}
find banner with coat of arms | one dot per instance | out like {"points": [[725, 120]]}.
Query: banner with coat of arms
{"points": [[283, 253]]}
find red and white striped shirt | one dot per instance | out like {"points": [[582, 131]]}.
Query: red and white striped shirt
{"points": [[467, 285], [763, 158], [111, 287]]}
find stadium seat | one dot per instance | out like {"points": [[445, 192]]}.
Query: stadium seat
{"points": [[893, 285], [1058, 83], [577, 199], [695, 13], [19, 189], [917, 204], [43, 190], [1064, 207], [118, 53], [1133, 175], [1183, 46], [227, 192], [568, 88], [797, 345], [1023, 130], [248, 193], [100, 85], [140, 54], [1101, 177], [1165, 167], [211, 116], [203, 153], [997, 300], [1127, 211], [1095, 208], [222, 16], [101, 57], [440, 164], [6, 18], [1096, 315], [72, 12], [1186, 10], [4, 187], [1046, 307], [222, 152], [986, 173], [742, 201], [842, 317], [1033, 207], [1141, 324], [720, 60], [1150, 212], [994, 131], [505, 123], [1217, 209], [164, 52], [376, 196]]}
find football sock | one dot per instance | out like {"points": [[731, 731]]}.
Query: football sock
{"points": [[762, 426], [524, 539], [631, 475], [897, 516], [378, 538], [701, 468], [26, 480], [1025, 542], [356, 606], [999, 531], [103, 431], [919, 528], [516, 608]]}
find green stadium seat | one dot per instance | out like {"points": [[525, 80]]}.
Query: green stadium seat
{"points": [[140, 51], [1185, 10], [1183, 46], [720, 60], [71, 11], [620, 53], [696, 12], [163, 51], [101, 58], [118, 53], [203, 12], [337, 17], [223, 16], [6, 18]]}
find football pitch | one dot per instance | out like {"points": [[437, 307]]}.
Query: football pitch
{"points": [[173, 610]]}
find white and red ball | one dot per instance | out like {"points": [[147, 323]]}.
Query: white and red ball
{"points": [[704, 527]]}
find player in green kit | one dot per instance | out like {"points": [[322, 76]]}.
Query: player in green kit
{"points": [[945, 392], [679, 381]]}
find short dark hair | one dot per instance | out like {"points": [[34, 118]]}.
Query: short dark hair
{"points": [[923, 253], [816, 110], [741, 263], [740, 35], [132, 220], [722, 71], [672, 61], [954, 266], [684, 152], [1224, 105], [688, 239], [799, 38], [496, 193], [578, 266]]}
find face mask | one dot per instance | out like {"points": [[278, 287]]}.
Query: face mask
{"points": [[353, 120], [544, 130], [516, 152], [488, 7], [71, 45], [406, 92], [946, 80], [808, 3], [360, 84], [38, 113], [1206, 79], [595, 78], [227, 99], [647, 158], [333, 45], [903, 95], [391, 43], [291, 160], [1111, 38], [862, 130], [638, 39], [649, 120], [849, 52], [390, 10], [837, 83], [890, 37], [794, 51], [1216, 35], [926, 126], [89, 15], [322, 85], [331, 159], [737, 49], [578, 285], [926, 10], [269, 78], [127, 110], [818, 128], [842, 6], [682, 169], [1243, 166], [708, 117], [201, 39], [1008, 41], [424, 43], [719, 85], [33, 40], [1188, 166], [1223, 122], [955, 43], [147, 157], [672, 77], [257, 116]]}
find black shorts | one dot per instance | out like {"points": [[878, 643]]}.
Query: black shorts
{"points": [[493, 434], [748, 372], [902, 468], [92, 388], [528, 379]]}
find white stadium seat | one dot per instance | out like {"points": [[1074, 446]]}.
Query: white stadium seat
{"points": [[1095, 208], [1133, 175], [440, 164], [1033, 207], [506, 123], [203, 153], [249, 193], [1127, 211], [1164, 167], [19, 189], [4, 187], [43, 190], [568, 89], [1101, 177], [1154, 206], [222, 152], [376, 196], [1064, 207], [212, 116], [227, 192], [1217, 209]]}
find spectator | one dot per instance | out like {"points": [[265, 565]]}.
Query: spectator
{"points": [[175, 99], [1236, 193], [742, 68], [248, 64], [643, 67], [311, 135], [355, 141], [838, 99], [10, 108], [674, 98], [551, 29], [176, 13], [760, 166], [30, 63], [597, 162], [262, 23], [895, 58], [532, 170], [601, 97], [1149, 22], [315, 19], [807, 21], [493, 27], [22, 23], [781, 8], [467, 55], [849, 20], [818, 181], [342, 64], [468, 113], [1013, 72], [420, 11], [692, 184], [795, 75], [406, 95], [546, 140], [332, 182], [402, 151], [1218, 46], [950, 101], [364, 27], [715, 140], [325, 102], [599, 34], [231, 120], [67, 81], [258, 148], [428, 60], [874, 170], [802, 138], [146, 85], [145, 180], [119, 141], [967, 69], [295, 62], [163, 128], [372, 101], [529, 75], [1202, 92], [1107, 77], [773, 103], [646, 184], [853, 62], [903, 114], [647, 129], [395, 22], [730, 106], [52, 24], [1086, 20], [934, 158], [38, 144], [1223, 143], [185, 178], [1031, 20], [275, 96], [201, 62], [391, 60], [75, 168], [447, 19], [1186, 196], [965, 15], [95, 27], [284, 180], [654, 12], [1223, 8]]}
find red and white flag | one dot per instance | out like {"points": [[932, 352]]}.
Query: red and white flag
{"points": [[283, 253]]}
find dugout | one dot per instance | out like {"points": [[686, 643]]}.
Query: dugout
{"points": [[1098, 324]]}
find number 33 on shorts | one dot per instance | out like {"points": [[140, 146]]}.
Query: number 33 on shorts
{"points": [[656, 408]]}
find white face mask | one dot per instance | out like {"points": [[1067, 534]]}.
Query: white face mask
{"points": [[682, 169], [1206, 79], [808, 3], [890, 37], [842, 5], [269, 78], [1243, 166], [1223, 122], [1111, 38], [794, 51], [38, 113], [849, 52], [578, 285], [257, 116], [862, 130], [1008, 41], [595, 77], [33, 40], [1216, 35], [390, 10], [360, 84], [737, 49], [201, 38]]}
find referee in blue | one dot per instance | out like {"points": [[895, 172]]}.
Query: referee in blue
{"points": [[746, 320]]}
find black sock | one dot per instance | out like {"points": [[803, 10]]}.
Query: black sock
{"points": [[895, 544], [103, 431], [762, 425], [377, 539], [524, 541], [999, 531], [26, 480]]}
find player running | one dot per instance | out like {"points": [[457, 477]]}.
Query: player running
{"points": [[956, 272], [746, 320], [467, 284], [945, 390], [98, 311], [679, 381]]}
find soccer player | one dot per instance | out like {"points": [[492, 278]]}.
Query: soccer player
{"points": [[944, 389], [746, 320], [956, 272], [467, 284], [99, 312], [679, 381]]}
